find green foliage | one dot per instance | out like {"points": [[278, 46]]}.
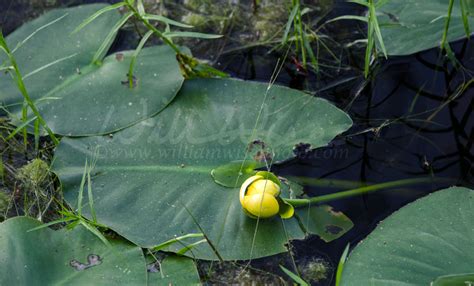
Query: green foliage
{"points": [[174, 270], [151, 175], [412, 26], [72, 257], [85, 98], [294, 276], [424, 240]]}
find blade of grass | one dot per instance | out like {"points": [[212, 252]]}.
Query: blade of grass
{"points": [[140, 8], [89, 195], [81, 190], [376, 28], [19, 128], [175, 240], [465, 17], [289, 24], [166, 20], [191, 35], [295, 277], [444, 39], [108, 39], [190, 246], [340, 266], [135, 55], [24, 92], [48, 65], [36, 31], [348, 17], [52, 223], [97, 14], [95, 231]]}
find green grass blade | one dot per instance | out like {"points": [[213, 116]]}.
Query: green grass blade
{"points": [[368, 52], [348, 17], [190, 246], [20, 127], [166, 20], [89, 195], [191, 35], [97, 14], [444, 39], [36, 31], [135, 55], [80, 196], [51, 223], [175, 240], [340, 266], [21, 87], [95, 231], [108, 39], [465, 18], [295, 277], [48, 65], [37, 134], [376, 27], [289, 23], [140, 8]]}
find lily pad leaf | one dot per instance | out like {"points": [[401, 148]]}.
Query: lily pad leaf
{"points": [[72, 257], [424, 240], [453, 280], [152, 182], [75, 96], [324, 222], [233, 174], [174, 270], [412, 26]]}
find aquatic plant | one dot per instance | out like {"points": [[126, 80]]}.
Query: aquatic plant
{"points": [[427, 241]]}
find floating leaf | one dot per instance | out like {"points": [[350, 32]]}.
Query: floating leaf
{"points": [[324, 221], [75, 96], [68, 257], [412, 26], [174, 270], [233, 174], [424, 240], [148, 177]]}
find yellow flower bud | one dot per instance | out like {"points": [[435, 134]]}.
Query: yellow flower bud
{"points": [[259, 197], [263, 186], [261, 205]]}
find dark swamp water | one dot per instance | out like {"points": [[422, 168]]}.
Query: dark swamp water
{"points": [[408, 119]]}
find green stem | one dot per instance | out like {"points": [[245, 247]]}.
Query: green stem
{"points": [[446, 25], [355, 192], [152, 28]]}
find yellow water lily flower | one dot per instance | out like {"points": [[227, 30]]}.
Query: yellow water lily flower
{"points": [[259, 197]]}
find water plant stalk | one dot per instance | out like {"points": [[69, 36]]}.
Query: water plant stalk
{"points": [[355, 192]]}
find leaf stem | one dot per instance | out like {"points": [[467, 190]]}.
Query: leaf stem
{"points": [[355, 192], [152, 28]]}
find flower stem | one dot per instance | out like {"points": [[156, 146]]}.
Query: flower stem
{"points": [[355, 192]]}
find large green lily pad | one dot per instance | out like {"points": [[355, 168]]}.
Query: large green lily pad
{"points": [[423, 241], [44, 257], [76, 96], [412, 26], [150, 180]]}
